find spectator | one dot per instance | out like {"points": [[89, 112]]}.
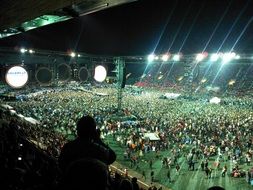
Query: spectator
{"points": [[87, 145], [125, 184], [135, 184], [215, 188], [86, 174], [224, 171]]}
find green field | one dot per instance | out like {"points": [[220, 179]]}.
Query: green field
{"points": [[185, 180]]}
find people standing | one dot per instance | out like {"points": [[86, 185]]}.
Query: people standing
{"points": [[87, 144], [152, 175], [143, 174], [177, 169], [169, 175], [202, 165], [224, 171]]}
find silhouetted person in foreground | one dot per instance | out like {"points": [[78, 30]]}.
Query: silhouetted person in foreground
{"points": [[87, 173], [84, 161], [215, 188], [87, 145]]}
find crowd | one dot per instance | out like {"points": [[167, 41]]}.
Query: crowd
{"points": [[196, 130]]}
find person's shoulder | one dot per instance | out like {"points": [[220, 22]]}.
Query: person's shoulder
{"points": [[70, 144]]}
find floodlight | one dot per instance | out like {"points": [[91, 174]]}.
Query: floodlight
{"points": [[23, 50], [200, 57], [165, 57], [176, 57], [214, 57], [31, 51], [73, 54], [151, 57], [227, 57]]}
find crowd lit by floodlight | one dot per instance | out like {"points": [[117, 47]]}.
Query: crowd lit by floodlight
{"points": [[23, 50], [165, 57], [214, 57], [200, 57], [151, 57], [73, 54], [176, 57]]}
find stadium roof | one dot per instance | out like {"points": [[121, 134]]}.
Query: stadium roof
{"points": [[21, 16]]}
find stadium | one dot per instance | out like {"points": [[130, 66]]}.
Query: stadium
{"points": [[165, 119]]}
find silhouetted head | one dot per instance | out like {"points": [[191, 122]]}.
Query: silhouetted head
{"points": [[86, 127], [134, 180], [125, 184], [215, 188]]}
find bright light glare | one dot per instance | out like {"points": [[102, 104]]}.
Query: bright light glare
{"points": [[100, 73], [176, 57], [16, 77], [214, 57], [151, 57], [237, 57], [165, 57], [200, 57], [73, 54], [31, 51], [227, 57], [23, 50]]}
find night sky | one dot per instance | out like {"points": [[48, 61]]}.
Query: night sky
{"points": [[146, 26]]}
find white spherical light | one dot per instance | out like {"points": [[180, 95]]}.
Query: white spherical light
{"points": [[100, 73], [16, 77]]}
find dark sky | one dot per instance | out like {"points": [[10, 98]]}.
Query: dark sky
{"points": [[145, 26]]}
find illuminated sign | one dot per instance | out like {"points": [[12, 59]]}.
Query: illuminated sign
{"points": [[16, 77]]}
